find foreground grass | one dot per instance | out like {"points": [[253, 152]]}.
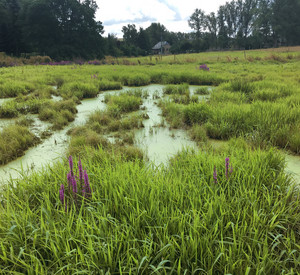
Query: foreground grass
{"points": [[176, 220]]}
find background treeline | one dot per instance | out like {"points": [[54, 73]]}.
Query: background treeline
{"points": [[61, 29], [67, 29]]}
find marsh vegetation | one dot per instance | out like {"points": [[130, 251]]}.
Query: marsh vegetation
{"points": [[210, 208]]}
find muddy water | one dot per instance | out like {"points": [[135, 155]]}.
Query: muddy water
{"points": [[293, 167], [52, 148], [156, 139]]}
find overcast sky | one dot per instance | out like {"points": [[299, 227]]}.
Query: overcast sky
{"points": [[173, 14]]}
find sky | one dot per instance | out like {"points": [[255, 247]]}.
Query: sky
{"points": [[173, 14]]}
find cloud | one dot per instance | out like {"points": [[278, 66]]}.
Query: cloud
{"points": [[173, 14], [130, 21], [177, 16]]}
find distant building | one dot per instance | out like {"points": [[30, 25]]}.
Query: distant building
{"points": [[161, 48]]}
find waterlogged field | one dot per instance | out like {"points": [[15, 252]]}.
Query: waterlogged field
{"points": [[223, 204]]}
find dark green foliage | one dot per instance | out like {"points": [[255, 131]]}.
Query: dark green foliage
{"points": [[68, 29], [46, 27]]}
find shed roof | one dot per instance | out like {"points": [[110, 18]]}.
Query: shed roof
{"points": [[160, 45]]}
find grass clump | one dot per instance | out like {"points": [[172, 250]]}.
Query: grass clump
{"points": [[198, 133], [197, 214], [58, 113], [124, 103], [176, 89], [15, 107], [15, 88], [79, 89], [202, 91], [105, 85], [14, 141]]}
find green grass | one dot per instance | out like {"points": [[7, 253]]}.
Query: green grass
{"points": [[15, 88], [80, 90], [170, 221], [264, 116], [117, 121], [176, 219], [123, 103], [14, 141], [176, 89], [58, 113]]}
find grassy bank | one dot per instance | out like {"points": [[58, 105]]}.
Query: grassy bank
{"points": [[181, 219], [265, 113]]}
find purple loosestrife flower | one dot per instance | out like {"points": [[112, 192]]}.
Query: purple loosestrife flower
{"points": [[62, 194], [74, 189], [80, 172], [87, 189], [71, 165], [215, 175], [69, 177], [226, 167], [74, 186]]}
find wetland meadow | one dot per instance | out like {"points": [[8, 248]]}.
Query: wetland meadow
{"points": [[186, 164]]}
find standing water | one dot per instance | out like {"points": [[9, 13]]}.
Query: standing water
{"points": [[158, 141]]}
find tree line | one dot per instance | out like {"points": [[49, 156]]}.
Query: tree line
{"points": [[67, 29], [61, 29]]}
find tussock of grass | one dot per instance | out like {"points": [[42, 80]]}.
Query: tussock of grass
{"points": [[15, 88], [13, 108], [80, 90], [229, 115], [124, 103], [172, 220], [14, 140], [105, 85], [202, 91], [176, 89], [58, 113]]}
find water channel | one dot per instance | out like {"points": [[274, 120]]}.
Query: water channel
{"points": [[159, 143]]}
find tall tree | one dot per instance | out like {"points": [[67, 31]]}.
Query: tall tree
{"points": [[211, 24], [197, 23], [130, 34], [223, 37], [62, 28], [156, 32], [286, 21], [10, 33]]}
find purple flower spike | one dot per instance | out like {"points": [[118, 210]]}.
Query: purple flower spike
{"points": [[80, 172], [226, 167], [62, 194], [74, 185], [215, 175], [71, 165], [69, 177]]}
